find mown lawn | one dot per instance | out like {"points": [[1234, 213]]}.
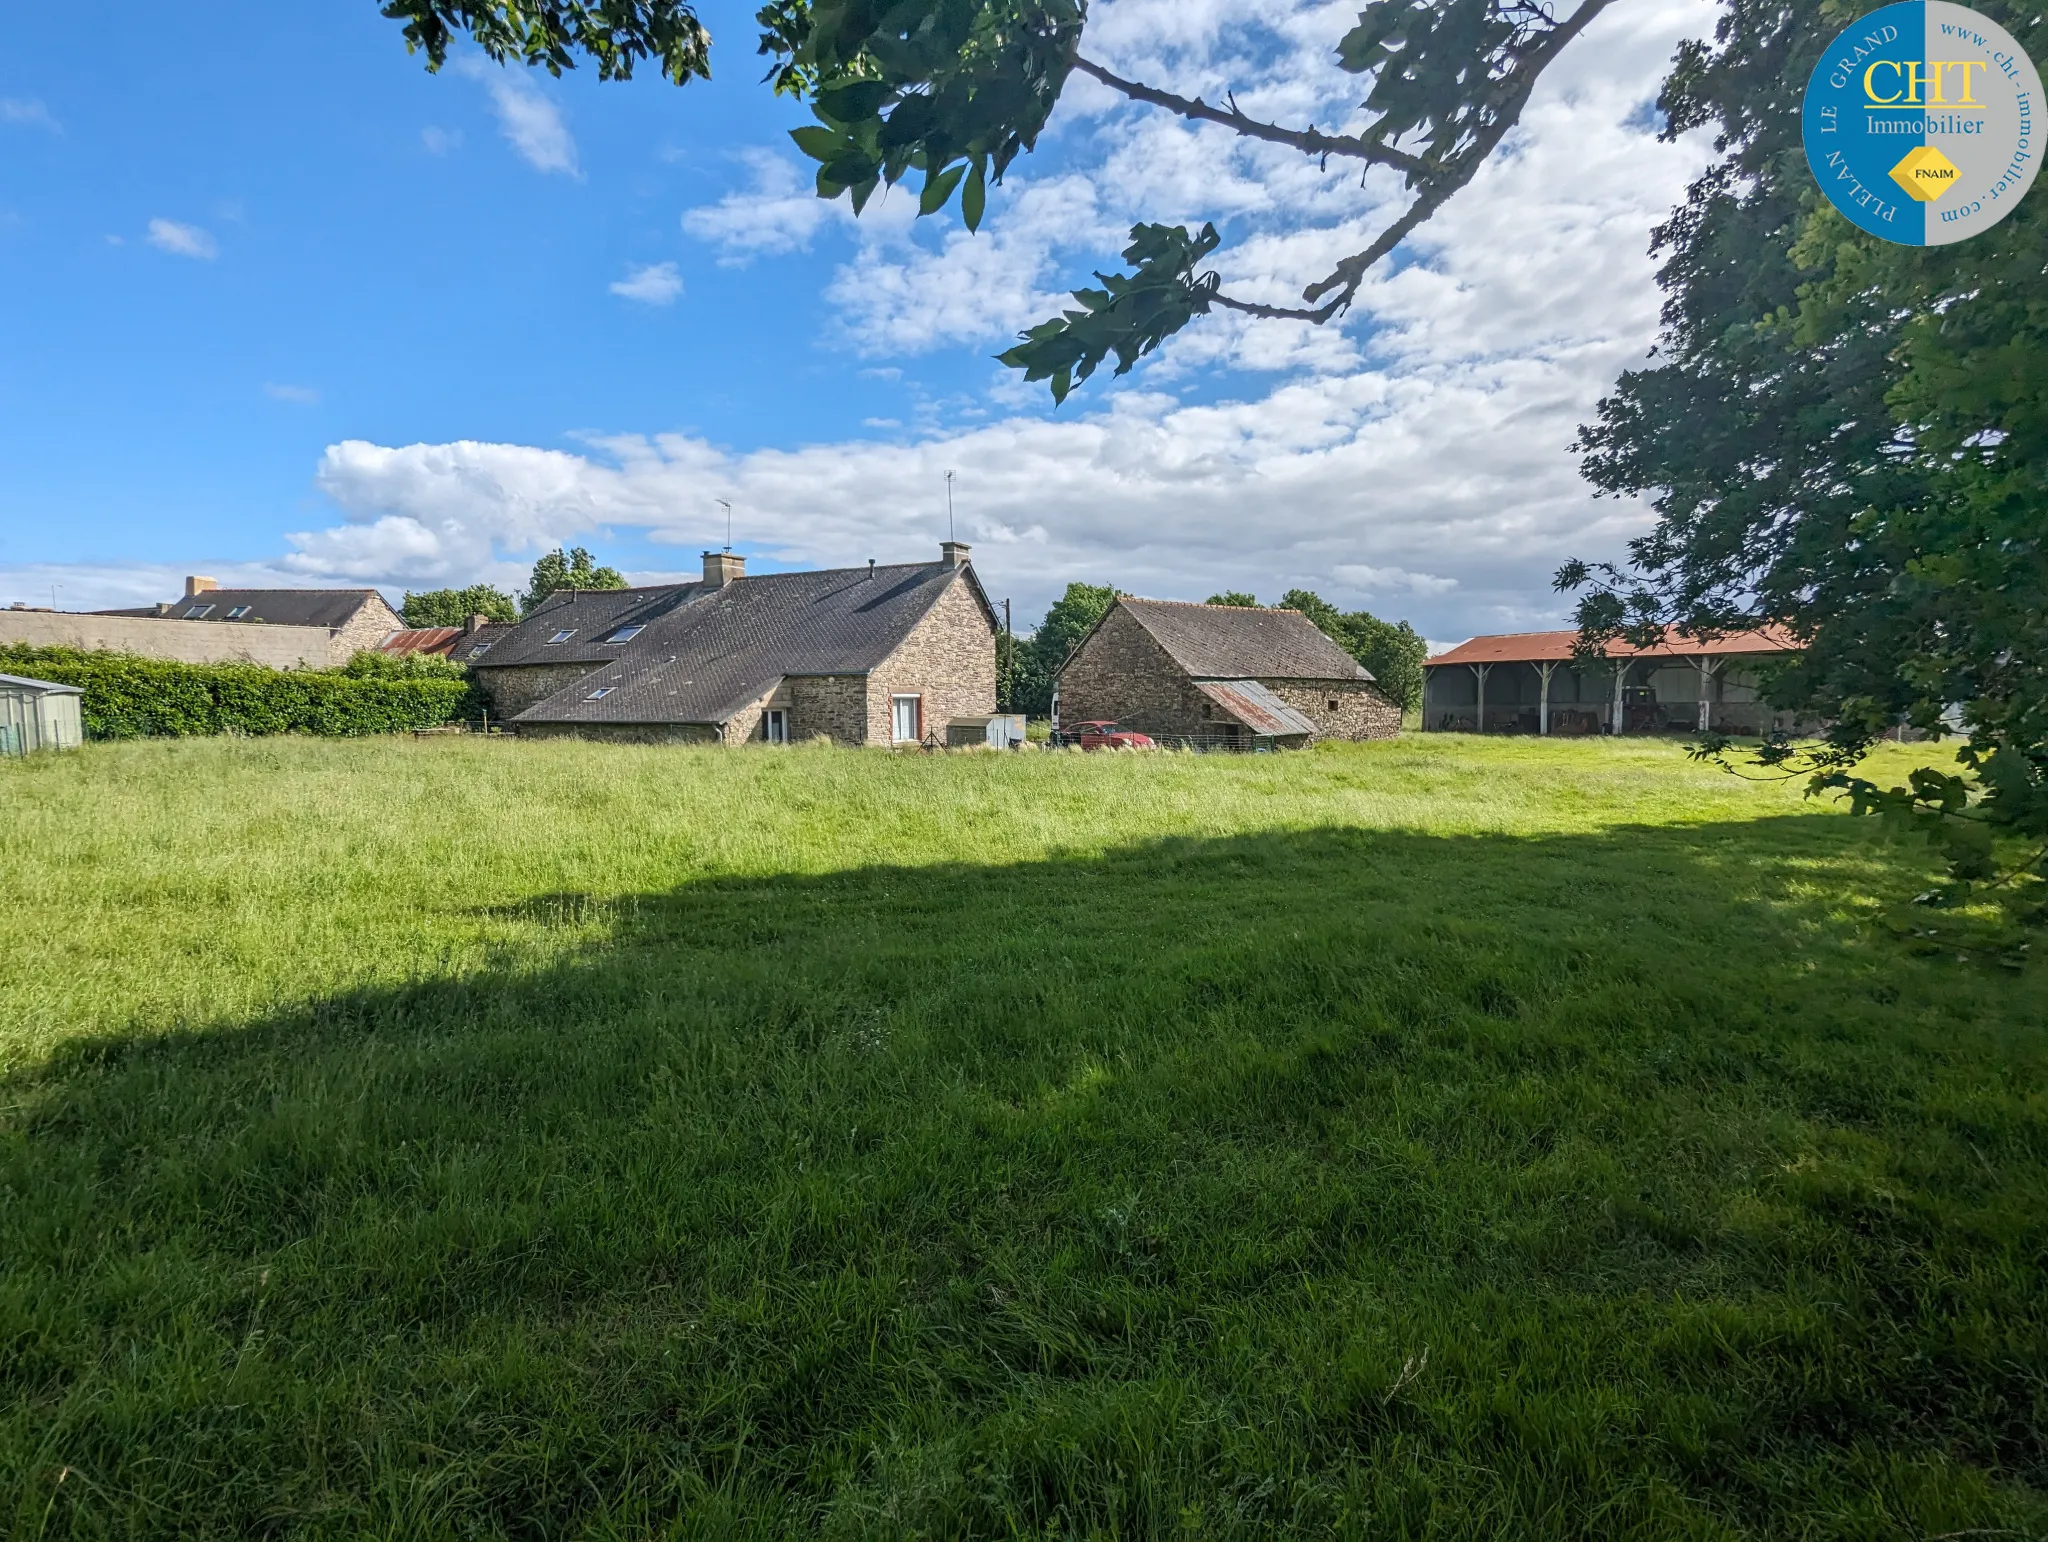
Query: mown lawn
{"points": [[1450, 1138]]}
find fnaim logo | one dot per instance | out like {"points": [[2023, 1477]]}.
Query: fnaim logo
{"points": [[1922, 123]]}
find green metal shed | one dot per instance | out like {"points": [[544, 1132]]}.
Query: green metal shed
{"points": [[39, 715]]}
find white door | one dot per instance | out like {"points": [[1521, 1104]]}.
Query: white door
{"points": [[775, 726], [904, 727]]}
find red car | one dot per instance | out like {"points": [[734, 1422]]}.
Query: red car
{"points": [[1106, 736]]}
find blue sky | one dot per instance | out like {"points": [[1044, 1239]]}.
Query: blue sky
{"points": [[282, 306]]}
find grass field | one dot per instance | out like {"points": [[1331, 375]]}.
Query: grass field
{"points": [[1448, 1138]]}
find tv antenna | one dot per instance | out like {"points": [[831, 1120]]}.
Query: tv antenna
{"points": [[726, 504], [949, 505]]}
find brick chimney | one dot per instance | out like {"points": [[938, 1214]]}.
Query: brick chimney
{"points": [[198, 586], [953, 553], [722, 567]]}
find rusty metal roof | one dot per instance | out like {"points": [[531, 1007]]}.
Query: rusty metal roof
{"points": [[421, 639], [1256, 707], [1556, 647]]}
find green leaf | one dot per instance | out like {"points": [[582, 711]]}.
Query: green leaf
{"points": [[938, 189], [974, 196]]}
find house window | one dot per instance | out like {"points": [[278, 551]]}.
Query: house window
{"points": [[1333, 706], [775, 726], [625, 634], [198, 612], [600, 693], [479, 650], [239, 612], [906, 719], [563, 636]]}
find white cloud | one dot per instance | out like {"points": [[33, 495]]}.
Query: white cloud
{"points": [[780, 213], [183, 240], [28, 113], [531, 123], [440, 141], [299, 396], [654, 284]]}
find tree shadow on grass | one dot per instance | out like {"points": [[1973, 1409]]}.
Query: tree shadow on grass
{"points": [[1299, 1183]]}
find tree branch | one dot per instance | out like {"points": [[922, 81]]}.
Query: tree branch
{"points": [[1310, 141]]}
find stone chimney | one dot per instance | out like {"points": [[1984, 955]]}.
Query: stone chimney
{"points": [[474, 625], [198, 586], [722, 567], [953, 553]]}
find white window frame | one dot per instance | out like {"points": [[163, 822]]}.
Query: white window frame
{"points": [[626, 634], [775, 725], [239, 612], [562, 636], [600, 693], [896, 701], [198, 612]]}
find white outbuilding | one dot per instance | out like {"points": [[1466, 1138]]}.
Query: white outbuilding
{"points": [[39, 715]]}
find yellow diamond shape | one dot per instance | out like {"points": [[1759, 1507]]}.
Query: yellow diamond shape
{"points": [[1926, 173]]}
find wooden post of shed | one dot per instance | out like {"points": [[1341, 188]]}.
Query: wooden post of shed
{"points": [[1618, 727], [1481, 671], [1543, 701], [1708, 668]]}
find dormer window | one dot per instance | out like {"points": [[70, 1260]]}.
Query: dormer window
{"points": [[239, 612], [564, 635], [198, 612], [626, 634]]}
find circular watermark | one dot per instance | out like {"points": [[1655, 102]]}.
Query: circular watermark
{"points": [[1923, 123]]}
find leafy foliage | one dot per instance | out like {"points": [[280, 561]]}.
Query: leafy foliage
{"points": [[1039, 656], [128, 697], [1132, 313], [1850, 439], [1392, 651], [956, 90], [454, 607], [1236, 598], [618, 34], [369, 664], [574, 569]]}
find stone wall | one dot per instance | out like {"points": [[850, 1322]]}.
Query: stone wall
{"points": [[188, 642], [371, 625], [1121, 674], [622, 733], [833, 705], [1340, 709], [949, 659], [515, 687]]}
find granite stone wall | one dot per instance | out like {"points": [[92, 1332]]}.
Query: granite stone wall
{"points": [[512, 688], [949, 660], [1340, 709]]}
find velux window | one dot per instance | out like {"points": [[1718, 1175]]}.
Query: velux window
{"points": [[600, 693], [625, 634], [239, 612], [564, 635], [198, 612], [479, 650]]}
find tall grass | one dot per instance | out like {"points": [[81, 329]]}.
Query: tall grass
{"points": [[1441, 1138]]}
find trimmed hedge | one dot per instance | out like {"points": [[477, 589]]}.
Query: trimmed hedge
{"points": [[130, 697]]}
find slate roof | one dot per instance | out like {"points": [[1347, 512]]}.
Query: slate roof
{"points": [[1256, 707], [277, 607], [705, 653], [1231, 642], [1556, 647]]}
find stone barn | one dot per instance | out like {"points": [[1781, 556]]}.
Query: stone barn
{"points": [[1220, 675]]}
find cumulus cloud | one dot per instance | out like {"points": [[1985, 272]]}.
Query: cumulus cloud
{"points": [[530, 122], [656, 283], [1414, 461], [183, 240], [781, 212], [29, 113]]}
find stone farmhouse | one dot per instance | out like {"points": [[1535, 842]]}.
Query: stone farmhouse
{"points": [[862, 656], [311, 628], [1220, 674]]}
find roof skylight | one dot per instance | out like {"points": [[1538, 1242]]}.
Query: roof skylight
{"points": [[600, 693], [564, 635], [198, 612], [239, 612], [626, 633]]}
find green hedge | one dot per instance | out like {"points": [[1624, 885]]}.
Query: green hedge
{"points": [[130, 697]]}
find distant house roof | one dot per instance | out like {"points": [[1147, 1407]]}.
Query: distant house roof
{"points": [[45, 687], [1256, 707], [1556, 647], [421, 639], [278, 607], [1231, 642], [700, 653]]}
